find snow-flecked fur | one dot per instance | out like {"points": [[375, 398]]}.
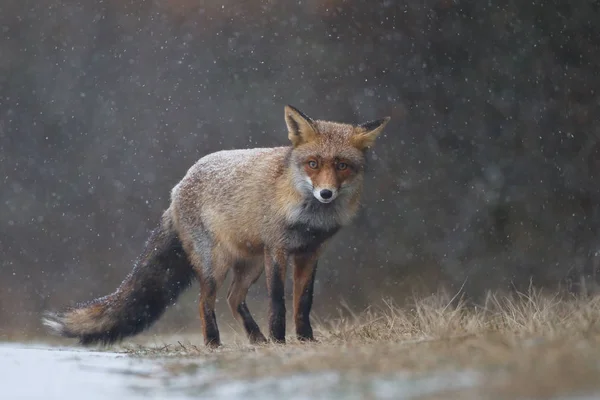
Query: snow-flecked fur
{"points": [[160, 274], [246, 211]]}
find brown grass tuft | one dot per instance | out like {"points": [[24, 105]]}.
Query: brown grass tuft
{"points": [[441, 316], [526, 344]]}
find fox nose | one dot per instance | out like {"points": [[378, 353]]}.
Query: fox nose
{"points": [[326, 193]]}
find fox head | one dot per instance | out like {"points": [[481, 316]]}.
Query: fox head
{"points": [[328, 158]]}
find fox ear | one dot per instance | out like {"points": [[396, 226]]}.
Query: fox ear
{"points": [[300, 127], [365, 134]]}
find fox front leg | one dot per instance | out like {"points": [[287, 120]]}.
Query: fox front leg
{"points": [[305, 268], [275, 266]]}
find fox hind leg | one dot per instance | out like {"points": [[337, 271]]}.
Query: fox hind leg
{"points": [[208, 291], [211, 270], [244, 275]]}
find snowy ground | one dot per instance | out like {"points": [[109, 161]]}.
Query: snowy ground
{"points": [[528, 347], [41, 372]]}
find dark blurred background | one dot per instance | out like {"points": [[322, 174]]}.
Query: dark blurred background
{"points": [[487, 177]]}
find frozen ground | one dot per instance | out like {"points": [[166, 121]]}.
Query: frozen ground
{"points": [[528, 347], [37, 372], [41, 372]]}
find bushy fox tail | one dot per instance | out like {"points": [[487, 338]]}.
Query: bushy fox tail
{"points": [[160, 274]]}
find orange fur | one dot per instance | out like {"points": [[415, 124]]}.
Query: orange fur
{"points": [[236, 210]]}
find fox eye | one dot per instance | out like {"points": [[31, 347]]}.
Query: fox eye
{"points": [[342, 166], [313, 164]]}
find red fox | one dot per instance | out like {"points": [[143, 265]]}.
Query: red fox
{"points": [[245, 211]]}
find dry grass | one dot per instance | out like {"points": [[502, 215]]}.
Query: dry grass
{"points": [[531, 345], [442, 317]]}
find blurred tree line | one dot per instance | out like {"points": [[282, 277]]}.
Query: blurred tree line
{"points": [[488, 174]]}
